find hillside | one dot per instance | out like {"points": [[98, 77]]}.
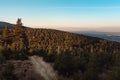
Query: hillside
{"points": [[3, 24], [73, 56], [46, 39], [54, 39], [58, 41]]}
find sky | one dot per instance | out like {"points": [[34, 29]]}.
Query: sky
{"points": [[73, 15]]}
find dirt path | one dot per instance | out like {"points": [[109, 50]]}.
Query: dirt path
{"points": [[43, 68]]}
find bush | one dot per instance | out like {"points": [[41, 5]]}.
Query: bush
{"points": [[2, 58], [66, 64], [8, 73], [50, 57], [14, 55]]}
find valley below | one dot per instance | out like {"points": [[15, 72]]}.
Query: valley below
{"points": [[112, 36]]}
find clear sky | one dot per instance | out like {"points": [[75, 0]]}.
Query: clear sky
{"points": [[103, 15]]}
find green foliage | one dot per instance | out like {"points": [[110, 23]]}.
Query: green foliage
{"points": [[86, 66], [82, 59], [114, 73], [90, 74], [14, 55], [50, 57], [2, 58], [66, 64]]}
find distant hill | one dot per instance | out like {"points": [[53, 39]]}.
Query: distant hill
{"points": [[113, 36], [99, 33], [3, 24], [9, 25], [107, 37]]}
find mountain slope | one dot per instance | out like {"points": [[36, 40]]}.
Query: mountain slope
{"points": [[22, 38], [3, 24], [74, 56], [56, 41], [48, 39]]}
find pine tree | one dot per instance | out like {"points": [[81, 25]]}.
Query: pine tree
{"points": [[18, 28], [19, 23], [5, 37], [5, 33], [21, 41]]}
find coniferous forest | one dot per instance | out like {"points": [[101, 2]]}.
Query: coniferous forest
{"points": [[74, 57]]}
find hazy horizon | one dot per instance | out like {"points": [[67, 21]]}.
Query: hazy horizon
{"points": [[70, 15]]}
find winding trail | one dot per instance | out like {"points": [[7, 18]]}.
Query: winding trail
{"points": [[43, 68]]}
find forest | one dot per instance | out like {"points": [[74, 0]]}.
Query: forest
{"points": [[74, 56]]}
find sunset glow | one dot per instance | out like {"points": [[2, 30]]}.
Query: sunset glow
{"points": [[63, 14]]}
